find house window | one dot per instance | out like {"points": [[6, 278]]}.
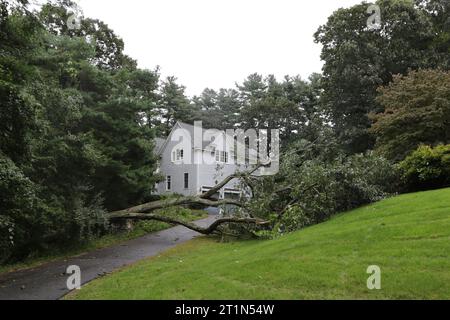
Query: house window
{"points": [[169, 183], [222, 156], [225, 157], [217, 155], [186, 180], [178, 155]]}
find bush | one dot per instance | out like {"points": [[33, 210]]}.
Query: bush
{"points": [[17, 207], [32, 224], [90, 220], [427, 168]]}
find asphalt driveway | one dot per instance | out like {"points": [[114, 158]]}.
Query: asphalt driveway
{"points": [[48, 282]]}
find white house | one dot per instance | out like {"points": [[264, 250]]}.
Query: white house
{"points": [[192, 169]]}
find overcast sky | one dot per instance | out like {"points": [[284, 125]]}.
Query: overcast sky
{"points": [[215, 43]]}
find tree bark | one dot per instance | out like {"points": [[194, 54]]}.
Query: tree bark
{"points": [[218, 187], [142, 212], [161, 204], [207, 230]]}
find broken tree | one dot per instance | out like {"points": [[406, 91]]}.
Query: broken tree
{"points": [[144, 211]]}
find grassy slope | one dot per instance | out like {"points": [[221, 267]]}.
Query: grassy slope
{"points": [[407, 236], [141, 229]]}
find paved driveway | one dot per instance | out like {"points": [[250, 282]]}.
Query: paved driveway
{"points": [[48, 282]]}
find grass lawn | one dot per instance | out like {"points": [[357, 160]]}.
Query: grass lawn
{"points": [[141, 228], [408, 237]]}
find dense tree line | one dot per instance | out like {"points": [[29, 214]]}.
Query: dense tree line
{"points": [[78, 118], [74, 136], [263, 102], [413, 35]]}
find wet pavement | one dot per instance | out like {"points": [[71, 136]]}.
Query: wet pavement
{"points": [[48, 282]]}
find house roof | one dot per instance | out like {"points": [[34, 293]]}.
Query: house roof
{"points": [[190, 129], [159, 142]]}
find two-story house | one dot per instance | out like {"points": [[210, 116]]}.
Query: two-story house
{"points": [[191, 169]]}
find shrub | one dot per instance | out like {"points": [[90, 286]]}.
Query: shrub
{"points": [[427, 168], [17, 207], [32, 224], [90, 220]]}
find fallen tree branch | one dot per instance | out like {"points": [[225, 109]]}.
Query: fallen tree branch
{"points": [[203, 230], [142, 212], [215, 189], [161, 204], [228, 179]]}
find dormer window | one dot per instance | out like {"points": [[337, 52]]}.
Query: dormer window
{"points": [[178, 155]]}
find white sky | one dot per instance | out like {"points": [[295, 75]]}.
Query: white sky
{"points": [[216, 43]]}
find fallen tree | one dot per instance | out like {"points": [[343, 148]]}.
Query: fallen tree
{"points": [[315, 181], [213, 228], [144, 211]]}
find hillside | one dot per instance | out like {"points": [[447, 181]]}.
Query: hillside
{"points": [[407, 236]]}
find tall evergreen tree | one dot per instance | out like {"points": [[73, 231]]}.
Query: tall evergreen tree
{"points": [[173, 106]]}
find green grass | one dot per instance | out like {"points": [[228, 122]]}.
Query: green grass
{"points": [[140, 229], [408, 237]]}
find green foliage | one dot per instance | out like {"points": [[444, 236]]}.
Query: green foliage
{"points": [[108, 46], [74, 134], [317, 181], [324, 189], [290, 105], [417, 111], [439, 11], [18, 208], [358, 61], [16, 122], [173, 106], [19, 40], [427, 168], [118, 126], [78, 119], [219, 110]]}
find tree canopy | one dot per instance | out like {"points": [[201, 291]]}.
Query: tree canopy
{"points": [[416, 111], [358, 60]]}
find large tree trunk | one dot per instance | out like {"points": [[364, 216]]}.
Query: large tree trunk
{"points": [[180, 201], [213, 228], [143, 211]]}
